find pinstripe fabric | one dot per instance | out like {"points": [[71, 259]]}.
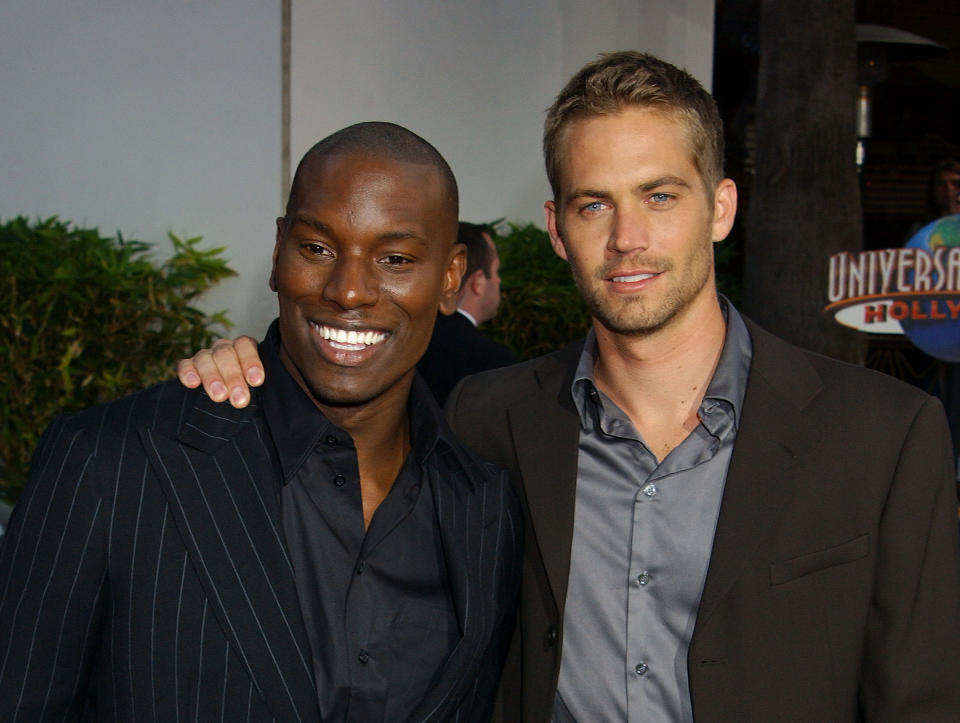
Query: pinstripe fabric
{"points": [[144, 575]]}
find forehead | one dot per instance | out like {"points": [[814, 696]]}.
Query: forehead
{"points": [[355, 188], [635, 139]]}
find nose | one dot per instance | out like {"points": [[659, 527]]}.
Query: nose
{"points": [[629, 232], [351, 284]]}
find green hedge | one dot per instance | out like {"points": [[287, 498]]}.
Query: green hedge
{"points": [[86, 319], [540, 309]]}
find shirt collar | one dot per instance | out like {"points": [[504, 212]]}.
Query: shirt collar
{"points": [[729, 382], [469, 316], [297, 425]]}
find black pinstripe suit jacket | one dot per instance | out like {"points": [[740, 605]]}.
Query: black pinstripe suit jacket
{"points": [[145, 576]]}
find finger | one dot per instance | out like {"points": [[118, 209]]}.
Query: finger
{"points": [[187, 374], [228, 365], [246, 348], [210, 375]]}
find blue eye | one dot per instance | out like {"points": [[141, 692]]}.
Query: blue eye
{"points": [[595, 206]]}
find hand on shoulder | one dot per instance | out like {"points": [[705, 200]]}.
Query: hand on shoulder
{"points": [[226, 370]]}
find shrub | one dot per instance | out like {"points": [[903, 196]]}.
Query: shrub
{"points": [[541, 309], [86, 319]]}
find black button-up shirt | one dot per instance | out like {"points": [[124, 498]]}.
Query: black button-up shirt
{"points": [[376, 603]]}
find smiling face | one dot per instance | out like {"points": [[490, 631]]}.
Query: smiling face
{"points": [[362, 263], [635, 222]]}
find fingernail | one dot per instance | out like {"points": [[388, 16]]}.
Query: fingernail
{"points": [[218, 392], [255, 375], [238, 396], [192, 379]]}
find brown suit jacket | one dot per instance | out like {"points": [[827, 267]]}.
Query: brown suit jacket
{"points": [[833, 591]]}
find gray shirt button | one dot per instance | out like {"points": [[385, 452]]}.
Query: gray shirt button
{"points": [[650, 489], [643, 578], [641, 668]]}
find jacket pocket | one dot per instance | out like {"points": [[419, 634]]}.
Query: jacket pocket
{"points": [[787, 570]]}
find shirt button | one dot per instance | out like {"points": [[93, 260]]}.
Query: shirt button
{"points": [[709, 408], [360, 567], [643, 578], [363, 657], [650, 490], [641, 668], [339, 480], [551, 637], [331, 440]]}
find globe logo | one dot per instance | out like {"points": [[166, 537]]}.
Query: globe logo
{"points": [[937, 336]]}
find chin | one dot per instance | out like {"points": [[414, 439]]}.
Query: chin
{"points": [[342, 397]]}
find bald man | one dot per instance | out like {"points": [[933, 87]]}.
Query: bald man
{"points": [[331, 551]]}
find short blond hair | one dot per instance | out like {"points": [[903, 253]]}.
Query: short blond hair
{"points": [[615, 81]]}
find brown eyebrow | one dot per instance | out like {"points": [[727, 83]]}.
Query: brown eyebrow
{"points": [[664, 181], [587, 193], [643, 188]]}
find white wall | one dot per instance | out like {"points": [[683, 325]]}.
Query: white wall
{"points": [[157, 115], [148, 116], [473, 78]]}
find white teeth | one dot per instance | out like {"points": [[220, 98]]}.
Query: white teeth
{"points": [[353, 338], [635, 277]]}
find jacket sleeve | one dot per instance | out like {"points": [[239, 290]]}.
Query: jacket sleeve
{"points": [[52, 581], [910, 669]]}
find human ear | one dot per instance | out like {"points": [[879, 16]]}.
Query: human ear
{"points": [[477, 282], [724, 209], [452, 278], [553, 229]]}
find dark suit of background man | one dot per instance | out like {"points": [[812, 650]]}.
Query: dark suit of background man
{"points": [[457, 348], [719, 526], [331, 550]]}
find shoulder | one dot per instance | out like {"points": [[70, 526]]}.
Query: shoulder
{"points": [[500, 387], [112, 427], [836, 388]]}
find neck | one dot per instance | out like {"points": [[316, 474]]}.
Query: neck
{"points": [[659, 379], [381, 434]]}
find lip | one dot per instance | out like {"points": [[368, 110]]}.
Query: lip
{"points": [[631, 280], [347, 344]]}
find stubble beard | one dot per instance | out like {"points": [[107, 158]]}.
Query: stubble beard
{"points": [[635, 315]]}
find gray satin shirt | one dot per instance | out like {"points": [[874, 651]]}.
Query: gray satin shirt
{"points": [[642, 537]]}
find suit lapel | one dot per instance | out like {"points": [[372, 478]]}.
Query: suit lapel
{"points": [[220, 484], [460, 518], [547, 447], [774, 434]]}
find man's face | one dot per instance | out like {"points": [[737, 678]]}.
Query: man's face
{"points": [[362, 263], [635, 220], [946, 192]]}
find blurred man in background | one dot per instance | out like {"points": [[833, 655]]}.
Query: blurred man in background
{"points": [[458, 348]]}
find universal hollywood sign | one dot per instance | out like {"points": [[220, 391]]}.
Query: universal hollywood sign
{"points": [[875, 291]]}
